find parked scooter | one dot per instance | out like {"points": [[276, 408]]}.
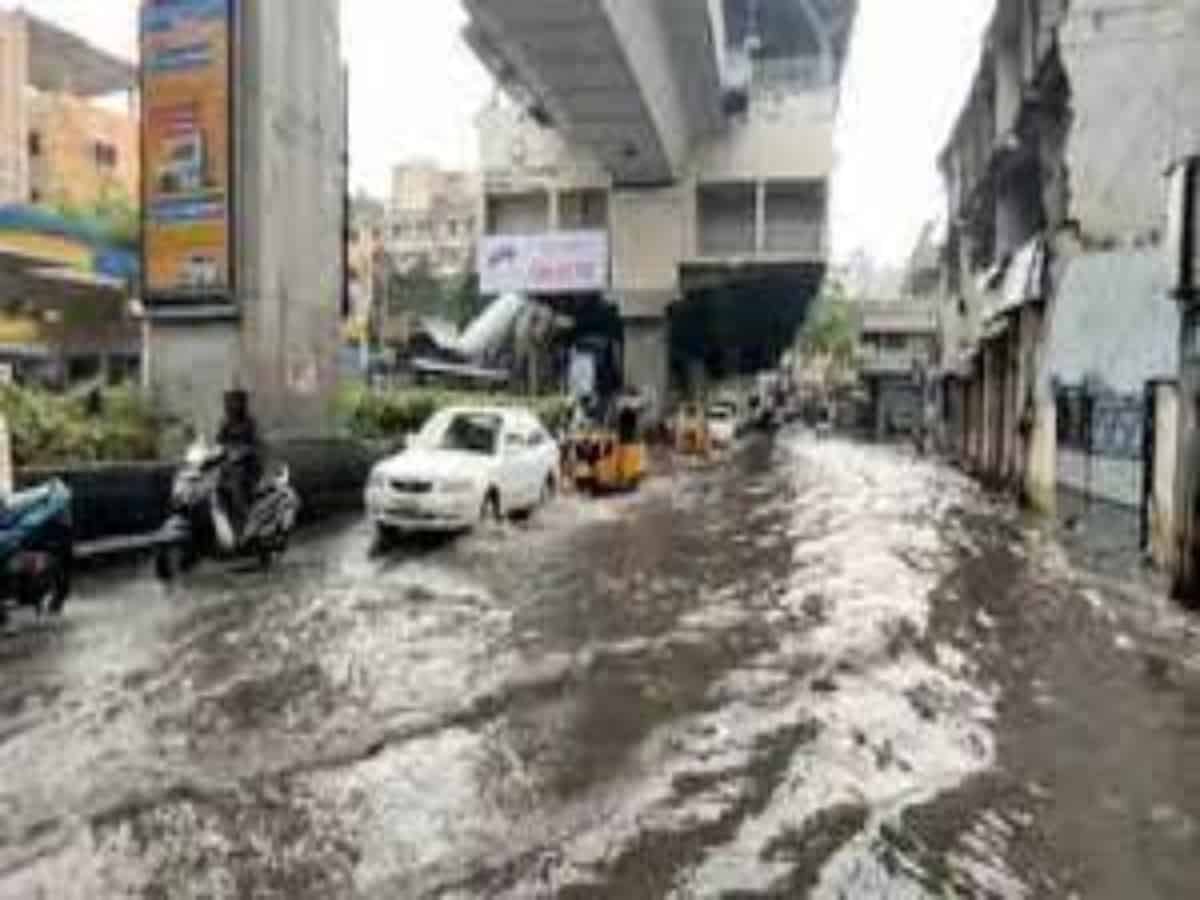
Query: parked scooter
{"points": [[36, 550], [202, 522]]}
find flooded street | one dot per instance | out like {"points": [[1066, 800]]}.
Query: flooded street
{"points": [[821, 669]]}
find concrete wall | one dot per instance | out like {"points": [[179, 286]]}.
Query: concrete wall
{"points": [[14, 114], [1135, 111], [290, 208], [787, 135], [516, 155]]}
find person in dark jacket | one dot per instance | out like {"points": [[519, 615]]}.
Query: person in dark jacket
{"points": [[238, 435]]}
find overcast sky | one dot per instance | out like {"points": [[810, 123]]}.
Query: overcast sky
{"points": [[415, 90]]}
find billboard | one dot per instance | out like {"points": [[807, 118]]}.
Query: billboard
{"points": [[186, 149], [568, 262]]}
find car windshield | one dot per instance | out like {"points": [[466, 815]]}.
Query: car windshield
{"points": [[469, 432], [720, 413]]}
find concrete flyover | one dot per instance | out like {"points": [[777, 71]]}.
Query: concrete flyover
{"points": [[703, 129], [634, 80]]}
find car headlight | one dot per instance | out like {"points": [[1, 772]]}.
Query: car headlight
{"points": [[457, 486]]}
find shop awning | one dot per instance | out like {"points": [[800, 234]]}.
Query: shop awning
{"points": [[1016, 281]]}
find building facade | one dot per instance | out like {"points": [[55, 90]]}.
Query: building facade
{"points": [[57, 144], [366, 267], [697, 139], [895, 357], [81, 154], [432, 219], [1057, 318]]}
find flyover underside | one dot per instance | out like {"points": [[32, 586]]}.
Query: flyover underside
{"points": [[740, 322], [572, 60]]}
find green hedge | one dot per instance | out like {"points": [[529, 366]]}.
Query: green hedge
{"points": [[388, 415], [50, 429]]}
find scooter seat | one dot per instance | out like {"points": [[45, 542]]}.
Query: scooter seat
{"points": [[21, 504]]}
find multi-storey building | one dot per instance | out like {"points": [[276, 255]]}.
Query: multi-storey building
{"points": [[432, 219], [667, 161], [80, 153], [57, 143]]}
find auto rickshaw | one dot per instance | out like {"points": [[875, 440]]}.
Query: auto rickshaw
{"points": [[609, 460], [691, 432]]}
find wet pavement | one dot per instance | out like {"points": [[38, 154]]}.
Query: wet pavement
{"points": [[820, 669]]}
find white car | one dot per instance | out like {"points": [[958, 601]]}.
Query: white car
{"points": [[722, 425], [466, 465]]}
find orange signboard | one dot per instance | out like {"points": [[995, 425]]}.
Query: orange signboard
{"points": [[186, 148]]}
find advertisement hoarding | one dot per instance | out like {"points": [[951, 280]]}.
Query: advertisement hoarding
{"points": [[186, 149], [570, 262]]}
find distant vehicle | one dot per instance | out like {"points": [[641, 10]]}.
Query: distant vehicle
{"points": [[467, 465], [186, 165], [36, 549], [722, 424], [691, 431]]}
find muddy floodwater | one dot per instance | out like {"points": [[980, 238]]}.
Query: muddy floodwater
{"points": [[819, 669]]}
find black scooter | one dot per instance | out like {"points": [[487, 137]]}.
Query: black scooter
{"points": [[201, 523]]}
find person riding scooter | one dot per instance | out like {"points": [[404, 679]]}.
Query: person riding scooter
{"points": [[238, 436]]}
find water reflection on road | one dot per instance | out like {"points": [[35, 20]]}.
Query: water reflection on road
{"points": [[820, 669]]}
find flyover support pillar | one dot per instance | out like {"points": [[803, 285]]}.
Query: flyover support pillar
{"points": [[647, 362]]}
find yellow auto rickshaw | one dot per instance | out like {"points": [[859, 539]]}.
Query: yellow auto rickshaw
{"points": [[691, 432], [609, 460]]}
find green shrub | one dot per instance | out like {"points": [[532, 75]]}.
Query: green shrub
{"points": [[51, 429]]}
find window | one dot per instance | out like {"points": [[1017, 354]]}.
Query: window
{"points": [[894, 342], [105, 154], [35, 143]]}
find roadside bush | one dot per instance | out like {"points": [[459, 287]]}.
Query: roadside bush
{"points": [[50, 429], [388, 415]]}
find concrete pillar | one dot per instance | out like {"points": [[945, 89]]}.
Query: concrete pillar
{"points": [[760, 217], [1013, 394], [647, 362], [1041, 467], [1164, 467], [987, 410], [280, 336]]}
